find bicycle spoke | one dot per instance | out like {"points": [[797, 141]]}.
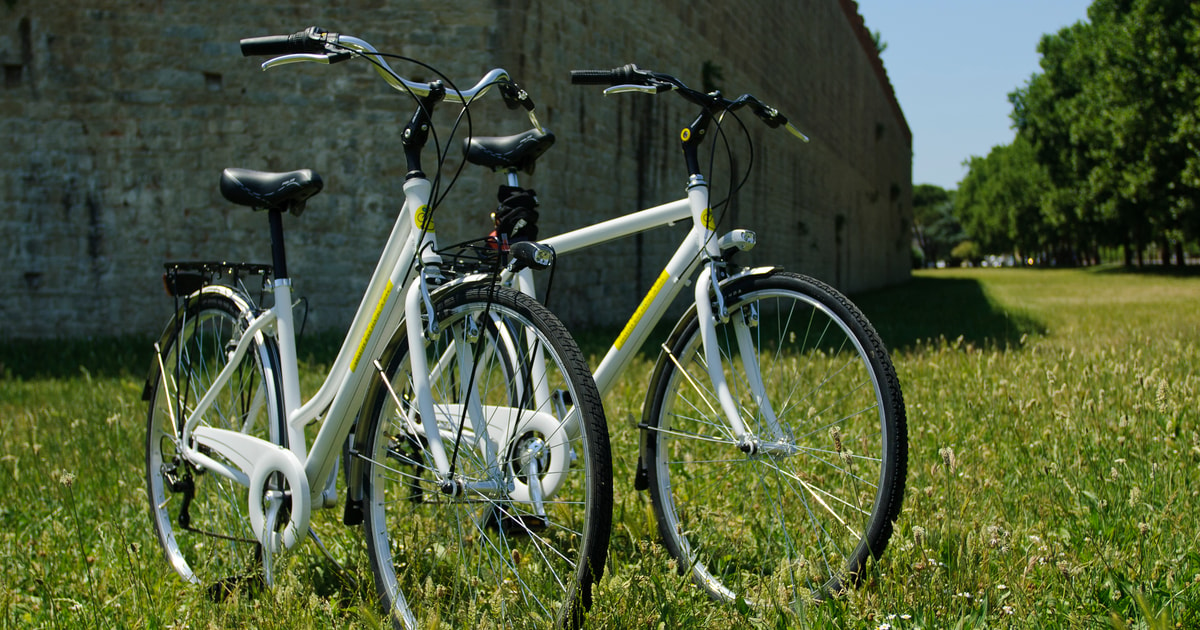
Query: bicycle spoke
{"points": [[202, 519], [519, 548], [807, 508]]}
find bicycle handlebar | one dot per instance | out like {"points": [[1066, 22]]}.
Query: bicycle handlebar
{"points": [[316, 45], [632, 78]]}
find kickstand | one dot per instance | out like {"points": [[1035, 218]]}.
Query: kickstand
{"points": [[345, 575]]}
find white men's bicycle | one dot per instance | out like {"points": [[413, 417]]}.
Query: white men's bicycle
{"points": [[773, 434], [476, 450]]}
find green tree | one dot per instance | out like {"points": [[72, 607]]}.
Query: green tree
{"points": [[1047, 113], [1002, 202], [1113, 120], [968, 251], [1150, 83], [935, 224]]}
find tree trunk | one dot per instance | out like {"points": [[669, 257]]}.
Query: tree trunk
{"points": [[1166, 252], [1179, 260]]}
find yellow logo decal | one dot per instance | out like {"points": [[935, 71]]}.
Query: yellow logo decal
{"points": [[685, 134], [362, 345], [641, 309], [424, 219], [706, 219]]}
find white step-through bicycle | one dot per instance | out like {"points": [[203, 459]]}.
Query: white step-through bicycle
{"points": [[476, 452]]}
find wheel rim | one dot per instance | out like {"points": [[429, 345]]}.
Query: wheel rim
{"points": [[794, 517], [477, 557], [216, 547]]}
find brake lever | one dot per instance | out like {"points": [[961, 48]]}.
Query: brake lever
{"points": [[534, 121], [297, 58], [643, 89], [795, 132], [330, 57]]}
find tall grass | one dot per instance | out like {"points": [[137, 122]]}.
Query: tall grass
{"points": [[1054, 478]]}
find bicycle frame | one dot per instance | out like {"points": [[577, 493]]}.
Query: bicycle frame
{"points": [[398, 291], [699, 245], [344, 388]]}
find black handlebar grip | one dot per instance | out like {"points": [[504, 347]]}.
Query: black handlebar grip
{"points": [[628, 73], [310, 40], [591, 77]]}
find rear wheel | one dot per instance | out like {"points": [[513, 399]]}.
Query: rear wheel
{"points": [[202, 518], [796, 512], [514, 540]]}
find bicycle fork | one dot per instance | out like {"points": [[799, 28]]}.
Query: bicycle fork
{"points": [[488, 429], [743, 323], [707, 291]]}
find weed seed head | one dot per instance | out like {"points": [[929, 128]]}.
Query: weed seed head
{"points": [[996, 537], [948, 458], [835, 434], [66, 478]]}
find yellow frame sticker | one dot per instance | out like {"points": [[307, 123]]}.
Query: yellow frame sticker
{"points": [[423, 219], [706, 219], [641, 309], [362, 345]]}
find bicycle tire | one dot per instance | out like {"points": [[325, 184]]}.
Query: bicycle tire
{"points": [[476, 560], [202, 519], [796, 519]]}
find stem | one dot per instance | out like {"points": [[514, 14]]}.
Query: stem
{"points": [[83, 554]]}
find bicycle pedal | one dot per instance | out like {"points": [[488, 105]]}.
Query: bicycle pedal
{"points": [[520, 524]]}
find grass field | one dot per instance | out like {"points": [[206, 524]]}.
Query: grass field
{"points": [[1054, 478]]}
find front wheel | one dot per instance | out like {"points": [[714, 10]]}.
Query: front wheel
{"points": [[516, 535], [794, 509]]}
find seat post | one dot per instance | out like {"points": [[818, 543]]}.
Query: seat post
{"points": [[278, 255], [285, 332]]}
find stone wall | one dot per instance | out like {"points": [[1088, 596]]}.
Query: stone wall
{"points": [[120, 115]]}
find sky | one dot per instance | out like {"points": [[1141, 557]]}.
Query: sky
{"points": [[953, 63]]}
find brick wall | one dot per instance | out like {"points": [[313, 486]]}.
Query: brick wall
{"points": [[120, 115]]}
